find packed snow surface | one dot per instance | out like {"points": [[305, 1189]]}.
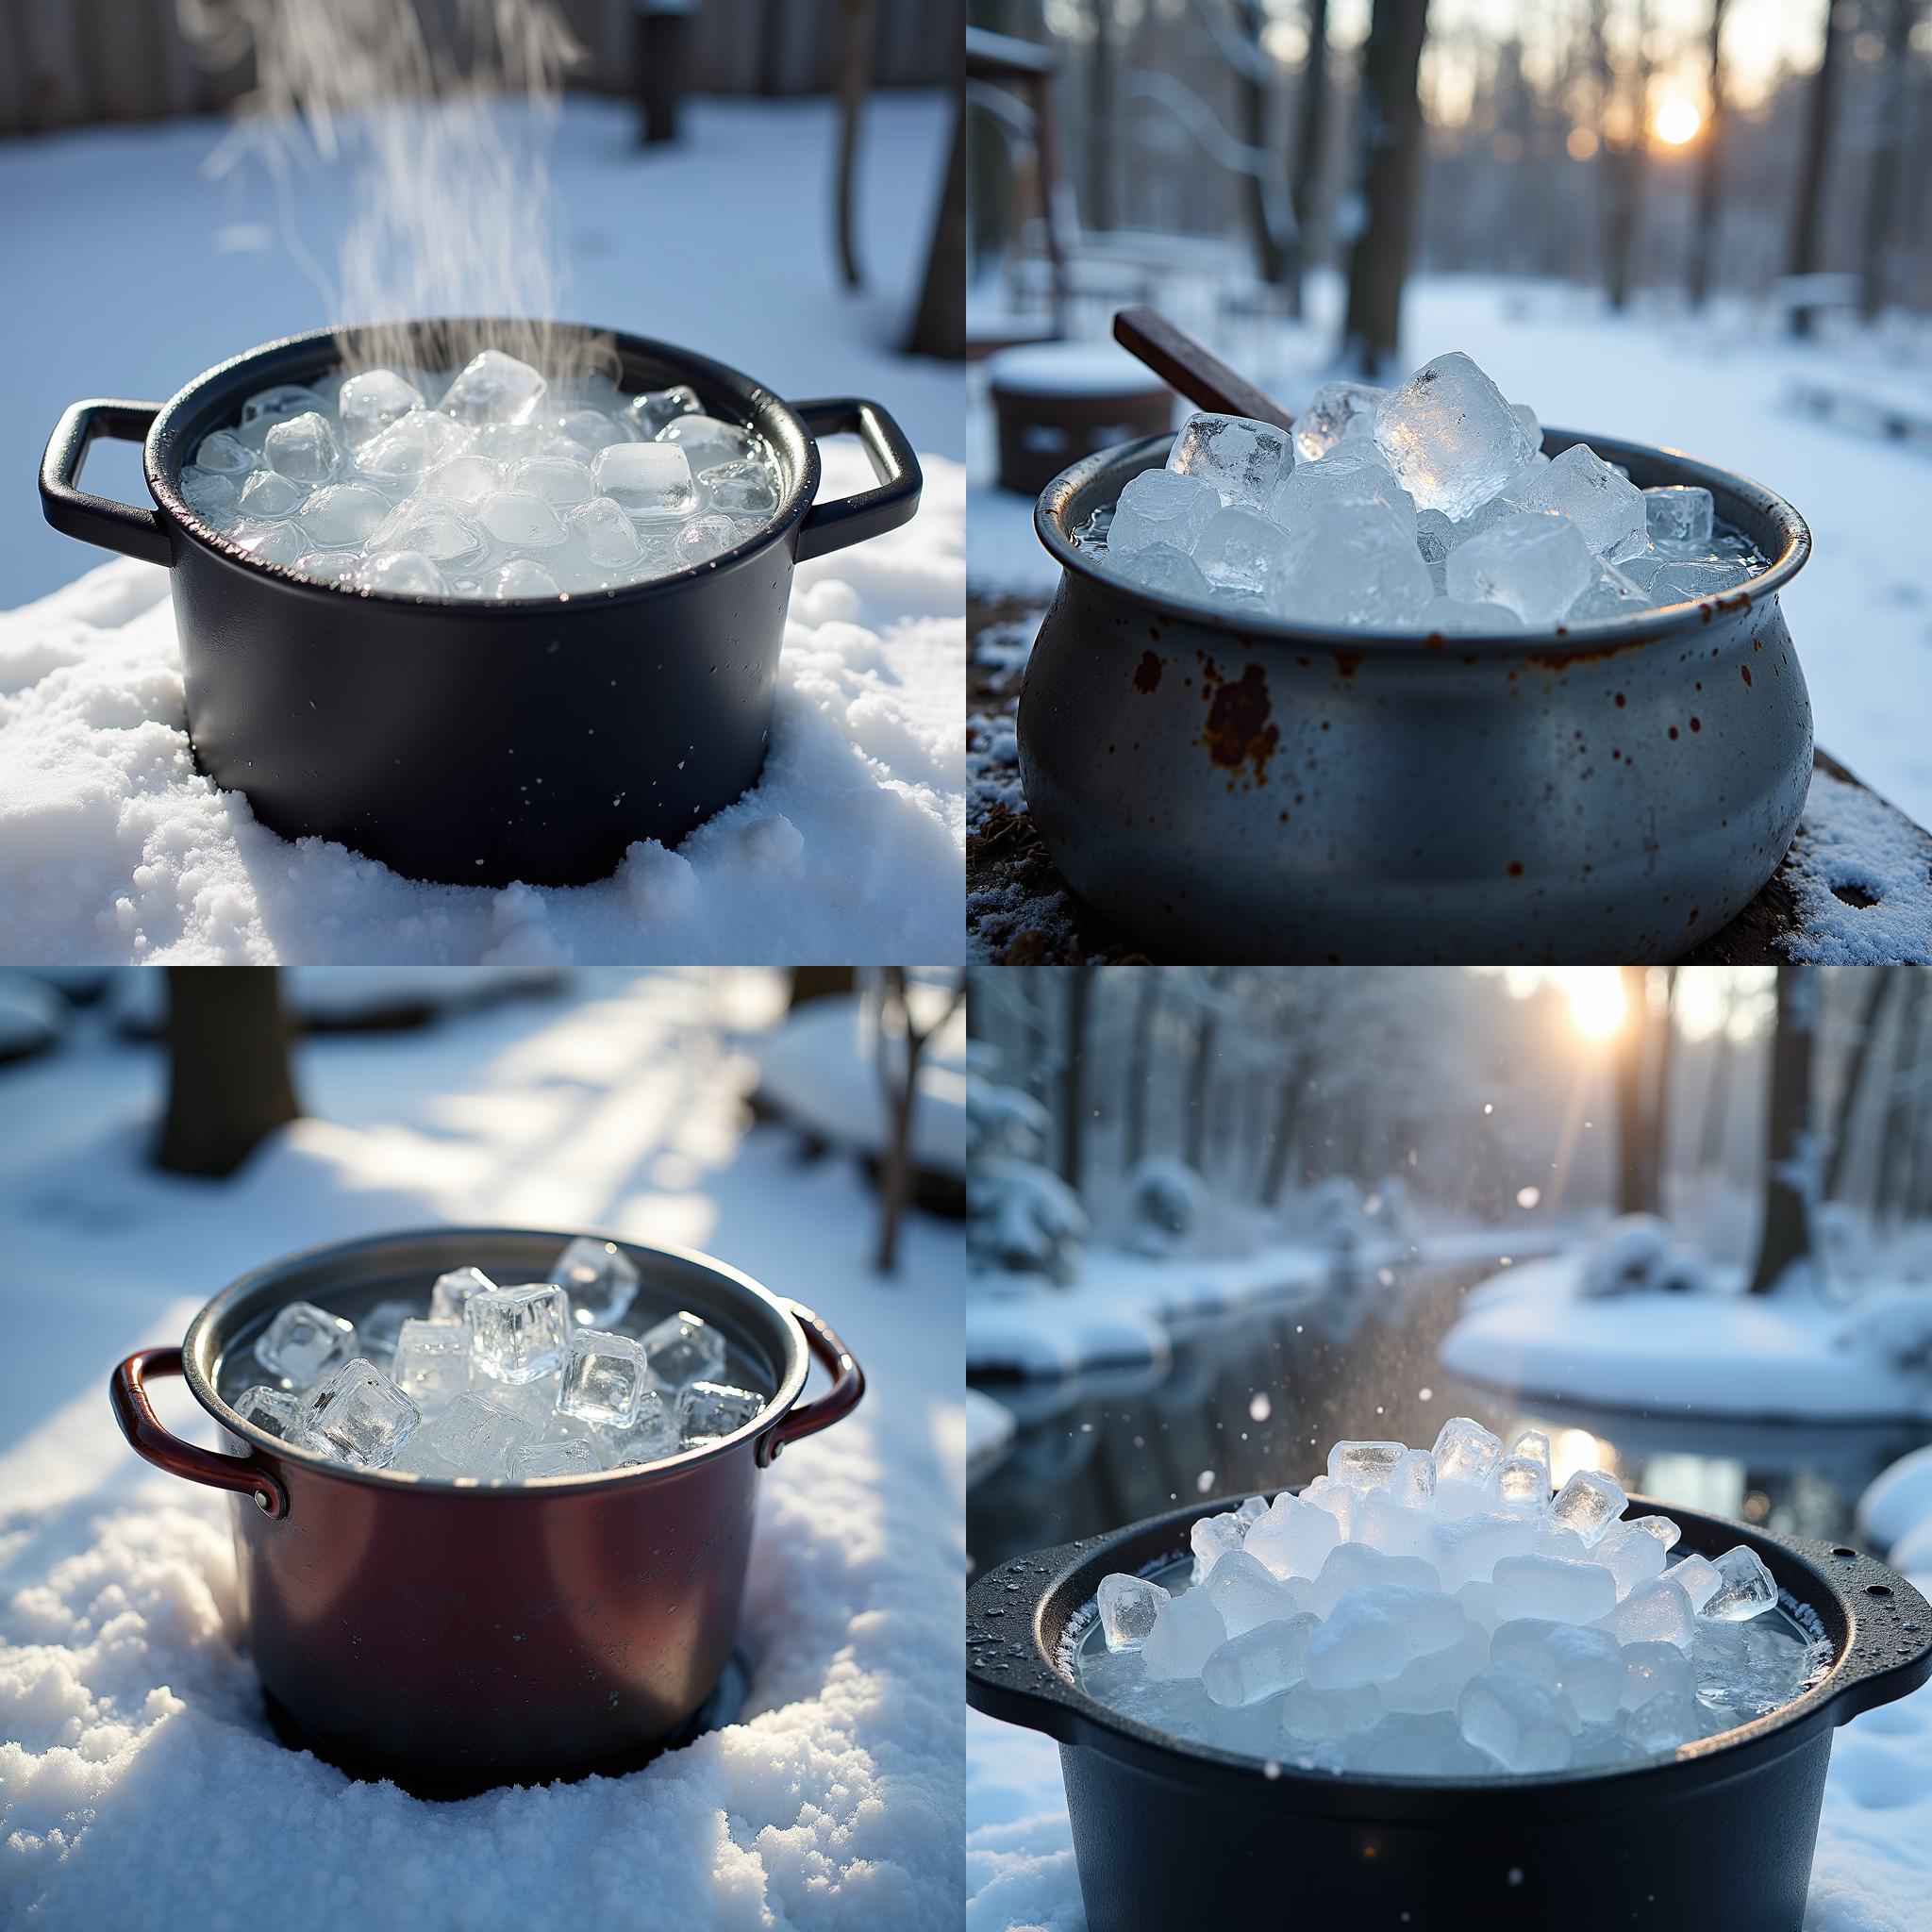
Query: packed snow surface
{"points": [[138, 1761]]}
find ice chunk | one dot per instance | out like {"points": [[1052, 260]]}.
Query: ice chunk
{"points": [[370, 402], [432, 1362], [1244, 460], [402, 574], [1450, 436], [1745, 1588], [343, 513], [303, 448], [648, 481], [359, 1415], [1365, 1465], [651, 1437], [272, 542], [521, 577], [1522, 1485], [1293, 1539], [1536, 563], [603, 1377], [683, 1348], [1584, 1665], [1531, 429], [518, 1334], [706, 441], [535, 1400], [1210, 1538], [1613, 595], [710, 535], [1187, 1631], [269, 494], [271, 1410], [212, 494], [1258, 1662], [1394, 1527], [1336, 413], [1697, 1577], [430, 529], [1350, 566], [1452, 618], [412, 444], [1664, 1723], [709, 1412], [284, 399], [1679, 514], [1653, 1612], [495, 388], [464, 480], [1465, 1451], [305, 1342], [1164, 570], [1374, 1633], [1589, 1502], [1356, 1566], [453, 1289], [1654, 1669], [520, 521], [591, 429], [529, 1462], [600, 1279], [1434, 1680], [1518, 1722], [746, 488], [225, 452], [1667, 580], [655, 408], [1246, 1593], [1606, 507], [1553, 1587], [473, 1436], [606, 536], [1160, 507], [381, 1328], [1354, 479], [1630, 1555], [1325, 1717], [561, 481], [1412, 1482], [1129, 1606], [1241, 551]]}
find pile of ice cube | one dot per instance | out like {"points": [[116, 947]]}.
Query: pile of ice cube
{"points": [[1441, 1613], [494, 484], [1429, 508], [499, 1384]]}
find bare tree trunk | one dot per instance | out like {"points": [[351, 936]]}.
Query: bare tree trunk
{"points": [[1623, 163], [228, 1080], [1660, 1085], [900, 1088], [1717, 1106], [1784, 1237], [1892, 1192], [1100, 119], [1140, 1065], [810, 983], [1079, 982], [1808, 220], [1881, 191], [1879, 987], [1271, 260], [1389, 167], [1200, 1080], [1709, 168], [1311, 150], [1636, 1156], [1287, 1122]]}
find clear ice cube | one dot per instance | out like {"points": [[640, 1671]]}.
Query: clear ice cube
{"points": [[1246, 1593], [1336, 413], [434, 530], [1212, 1538], [1553, 1587], [495, 388], [1293, 1539], [1697, 1577], [1187, 1631], [1260, 1661], [359, 1415], [1354, 479], [709, 1412], [600, 1279], [1630, 1555], [303, 448], [1412, 1482], [1244, 460], [1745, 1588], [1160, 507], [1451, 436], [1350, 566], [529, 1462], [303, 1342], [402, 574], [520, 521], [746, 488], [281, 542], [648, 481], [1522, 1484], [453, 1289], [1655, 1669], [520, 578], [709, 535], [601, 1378], [1374, 1633], [214, 493], [1535, 563], [268, 495], [1465, 1451], [343, 513], [655, 408], [378, 1331], [464, 480], [271, 1409], [1164, 570], [518, 1334], [607, 537], [1589, 1502], [1505, 1713], [651, 1436], [1606, 508], [1653, 1612], [705, 441], [1241, 551], [1613, 595], [431, 1364], [561, 481], [1129, 1606], [225, 452], [472, 1436], [412, 444], [1366, 1465], [1679, 514], [368, 402], [284, 399], [683, 1348]]}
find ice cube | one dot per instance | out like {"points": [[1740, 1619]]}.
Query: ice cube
{"points": [[1412, 1482], [1164, 570], [520, 521], [1679, 514], [402, 574], [343, 513], [1187, 1631], [1244, 460], [1241, 551], [606, 534], [1392, 1527], [1697, 1577], [226, 454], [381, 1328], [1355, 478], [1682, 581], [1745, 1588], [534, 1401], [709, 1412], [1589, 1502], [651, 1437], [746, 488], [1210, 1538], [473, 1436], [495, 388], [1311, 1716], [368, 402], [1630, 1555], [1522, 1484], [599, 1278], [212, 494], [1665, 1722], [1613, 595], [509, 442], [529, 1462], [453, 1289], [518, 1334], [1337, 411], [1531, 428], [412, 444], [269, 495], [560, 481], [1293, 1539], [1365, 1465], [1451, 617], [1607, 509], [1534, 1444], [270, 1409], [683, 1348], [1246, 1593], [1258, 1662], [1518, 1722], [1468, 1548], [303, 448], [1584, 1666], [359, 1415], [281, 542], [648, 481], [1555, 1589], [431, 1364], [591, 429], [431, 529], [1535, 563], [1374, 1633], [1434, 1680], [1349, 565], [1450, 437], [707, 536], [1653, 1612], [601, 1378], [653, 410], [464, 480], [705, 441], [1356, 1566], [303, 1342], [521, 577], [284, 399], [1654, 1669], [1129, 1606], [1160, 507], [1465, 1451]]}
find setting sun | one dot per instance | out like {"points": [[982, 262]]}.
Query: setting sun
{"points": [[1678, 120]]}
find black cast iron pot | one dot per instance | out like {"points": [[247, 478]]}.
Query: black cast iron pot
{"points": [[468, 742], [1717, 1837], [453, 1636]]}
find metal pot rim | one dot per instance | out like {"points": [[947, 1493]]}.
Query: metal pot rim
{"points": [[162, 461], [1052, 518], [205, 1332], [1054, 1584]]}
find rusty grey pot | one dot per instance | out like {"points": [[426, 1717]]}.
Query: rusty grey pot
{"points": [[1224, 789]]}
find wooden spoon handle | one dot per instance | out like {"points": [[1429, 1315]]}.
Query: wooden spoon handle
{"points": [[1184, 365]]}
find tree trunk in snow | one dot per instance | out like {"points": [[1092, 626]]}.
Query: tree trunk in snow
{"points": [[1879, 987], [1311, 149], [1881, 189], [1709, 170], [1717, 1106], [1893, 1189], [1636, 1125], [1784, 1237], [1389, 114], [1287, 1117], [228, 1080], [1140, 1065], [899, 1087], [1100, 120], [1808, 219], [1660, 1085], [1080, 983], [1200, 1081], [1271, 260]]}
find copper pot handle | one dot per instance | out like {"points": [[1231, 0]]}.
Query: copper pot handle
{"points": [[152, 1440], [848, 1385]]}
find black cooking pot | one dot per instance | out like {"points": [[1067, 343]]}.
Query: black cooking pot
{"points": [[469, 741], [1717, 1837], [453, 1636]]}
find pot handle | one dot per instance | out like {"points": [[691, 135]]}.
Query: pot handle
{"points": [[829, 526], [1892, 1650], [77, 512], [848, 1385], [150, 1437]]}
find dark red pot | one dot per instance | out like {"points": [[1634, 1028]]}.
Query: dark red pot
{"points": [[455, 1637]]}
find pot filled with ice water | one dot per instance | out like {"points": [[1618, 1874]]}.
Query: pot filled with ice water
{"points": [[493, 1489], [1426, 1689], [1420, 682], [486, 614]]}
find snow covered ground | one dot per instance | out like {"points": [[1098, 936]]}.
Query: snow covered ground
{"points": [[1860, 611], [135, 1758], [113, 849]]}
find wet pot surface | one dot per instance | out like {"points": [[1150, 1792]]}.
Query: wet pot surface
{"points": [[1717, 1838], [1221, 789]]}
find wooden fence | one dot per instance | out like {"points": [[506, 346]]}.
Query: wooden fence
{"points": [[67, 63]]}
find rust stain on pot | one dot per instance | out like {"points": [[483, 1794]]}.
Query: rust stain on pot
{"points": [[1238, 730], [1516, 868], [1147, 677], [1347, 664], [1744, 672]]}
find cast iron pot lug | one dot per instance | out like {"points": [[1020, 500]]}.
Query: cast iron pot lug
{"points": [[1720, 1836], [472, 741]]}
